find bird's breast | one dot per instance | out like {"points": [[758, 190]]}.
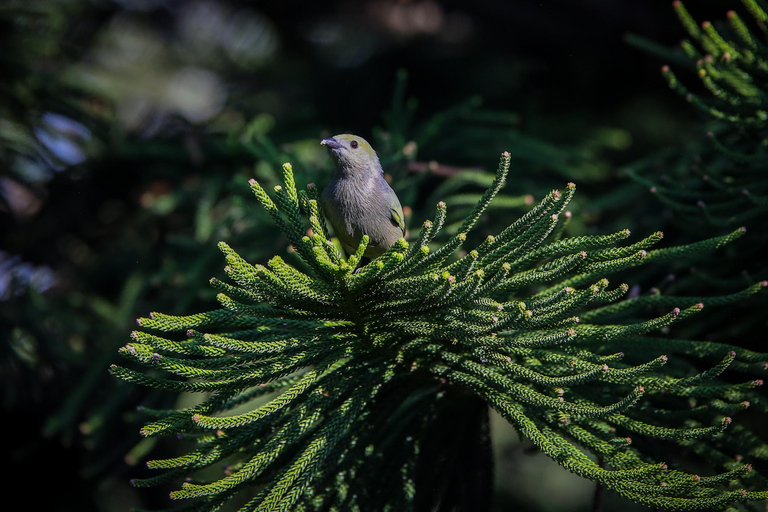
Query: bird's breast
{"points": [[356, 207]]}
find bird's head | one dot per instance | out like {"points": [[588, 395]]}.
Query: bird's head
{"points": [[352, 155]]}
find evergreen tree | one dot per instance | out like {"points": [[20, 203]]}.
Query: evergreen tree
{"points": [[354, 364]]}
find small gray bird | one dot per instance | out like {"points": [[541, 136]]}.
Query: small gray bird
{"points": [[358, 201]]}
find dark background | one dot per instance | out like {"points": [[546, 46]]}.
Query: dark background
{"points": [[121, 169]]}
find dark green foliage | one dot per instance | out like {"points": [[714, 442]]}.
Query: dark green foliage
{"points": [[356, 363], [112, 198], [718, 182]]}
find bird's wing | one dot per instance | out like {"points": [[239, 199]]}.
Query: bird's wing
{"points": [[396, 211]]}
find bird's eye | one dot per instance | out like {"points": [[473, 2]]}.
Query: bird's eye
{"points": [[353, 144]]}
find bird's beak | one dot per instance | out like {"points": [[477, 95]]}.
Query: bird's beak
{"points": [[331, 143]]}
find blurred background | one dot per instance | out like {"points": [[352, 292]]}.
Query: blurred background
{"points": [[129, 129]]}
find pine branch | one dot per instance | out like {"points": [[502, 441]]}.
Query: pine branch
{"points": [[364, 356]]}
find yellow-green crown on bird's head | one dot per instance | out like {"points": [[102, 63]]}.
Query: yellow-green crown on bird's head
{"points": [[352, 155]]}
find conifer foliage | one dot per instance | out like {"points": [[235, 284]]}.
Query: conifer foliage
{"points": [[358, 361], [717, 182], [720, 181]]}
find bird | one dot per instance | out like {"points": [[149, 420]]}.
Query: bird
{"points": [[358, 200]]}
